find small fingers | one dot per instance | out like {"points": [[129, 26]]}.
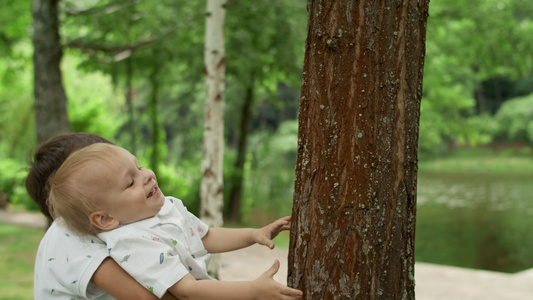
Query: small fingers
{"points": [[271, 245], [291, 293], [285, 228], [273, 269], [286, 218], [263, 240]]}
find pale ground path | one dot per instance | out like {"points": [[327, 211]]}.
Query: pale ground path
{"points": [[433, 282]]}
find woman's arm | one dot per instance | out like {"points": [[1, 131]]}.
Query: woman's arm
{"points": [[111, 278], [220, 239], [263, 287]]}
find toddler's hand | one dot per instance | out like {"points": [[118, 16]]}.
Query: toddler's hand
{"points": [[268, 288], [265, 235]]}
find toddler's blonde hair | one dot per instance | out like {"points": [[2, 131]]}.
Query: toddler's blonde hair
{"points": [[66, 199]]}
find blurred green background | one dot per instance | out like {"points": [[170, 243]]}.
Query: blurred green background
{"points": [[476, 127]]}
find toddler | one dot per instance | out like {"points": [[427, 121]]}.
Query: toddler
{"points": [[102, 190]]}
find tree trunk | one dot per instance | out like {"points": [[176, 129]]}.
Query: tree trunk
{"points": [[155, 155], [353, 227], [481, 104], [211, 191], [129, 104], [50, 98], [235, 194]]}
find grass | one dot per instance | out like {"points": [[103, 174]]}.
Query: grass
{"points": [[18, 246], [474, 160]]}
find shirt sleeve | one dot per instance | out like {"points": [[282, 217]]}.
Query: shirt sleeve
{"points": [[153, 263]]}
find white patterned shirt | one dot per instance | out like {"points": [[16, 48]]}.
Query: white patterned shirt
{"points": [[65, 264], [161, 250]]}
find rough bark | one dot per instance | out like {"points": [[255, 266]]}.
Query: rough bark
{"points": [[211, 191], [50, 98], [353, 228]]}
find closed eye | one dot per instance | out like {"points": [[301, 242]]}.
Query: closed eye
{"points": [[131, 184]]}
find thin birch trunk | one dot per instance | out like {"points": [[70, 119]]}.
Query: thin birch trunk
{"points": [[211, 192]]}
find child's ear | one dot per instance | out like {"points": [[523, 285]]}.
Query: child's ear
{"points": [[103, 221]]}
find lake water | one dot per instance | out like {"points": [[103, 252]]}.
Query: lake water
{"points": [[476, 220]]}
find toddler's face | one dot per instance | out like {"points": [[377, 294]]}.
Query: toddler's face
{"points": [[127, 191]]}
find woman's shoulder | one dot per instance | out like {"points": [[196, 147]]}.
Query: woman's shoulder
{"points": [[59, 236], [64, 257]]}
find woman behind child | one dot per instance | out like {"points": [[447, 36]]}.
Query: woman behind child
{"points": [[57, 275], [101, 189]]}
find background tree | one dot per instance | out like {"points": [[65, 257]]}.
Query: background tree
{"points": [[262, 65], [212, 189], [128, 56], [353, 227], [50, 98], [473, 49], [109, 43]]}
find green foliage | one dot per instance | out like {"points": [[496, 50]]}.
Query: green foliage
{"points": [[181, 182], [264, 48], [167, 35], [12, 183], [460, 55], [93, 106], [262, 55], [515, 120], [16, 20], [478, 130], [269, 171], [260, 50], [17, 125]]}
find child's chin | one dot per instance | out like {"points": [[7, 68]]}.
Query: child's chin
{"points": [[161, 199]]}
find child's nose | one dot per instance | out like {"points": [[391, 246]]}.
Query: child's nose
{"points": [[148, 176]]}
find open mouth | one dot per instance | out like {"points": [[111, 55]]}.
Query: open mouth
{"points": [[152, 192]]}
